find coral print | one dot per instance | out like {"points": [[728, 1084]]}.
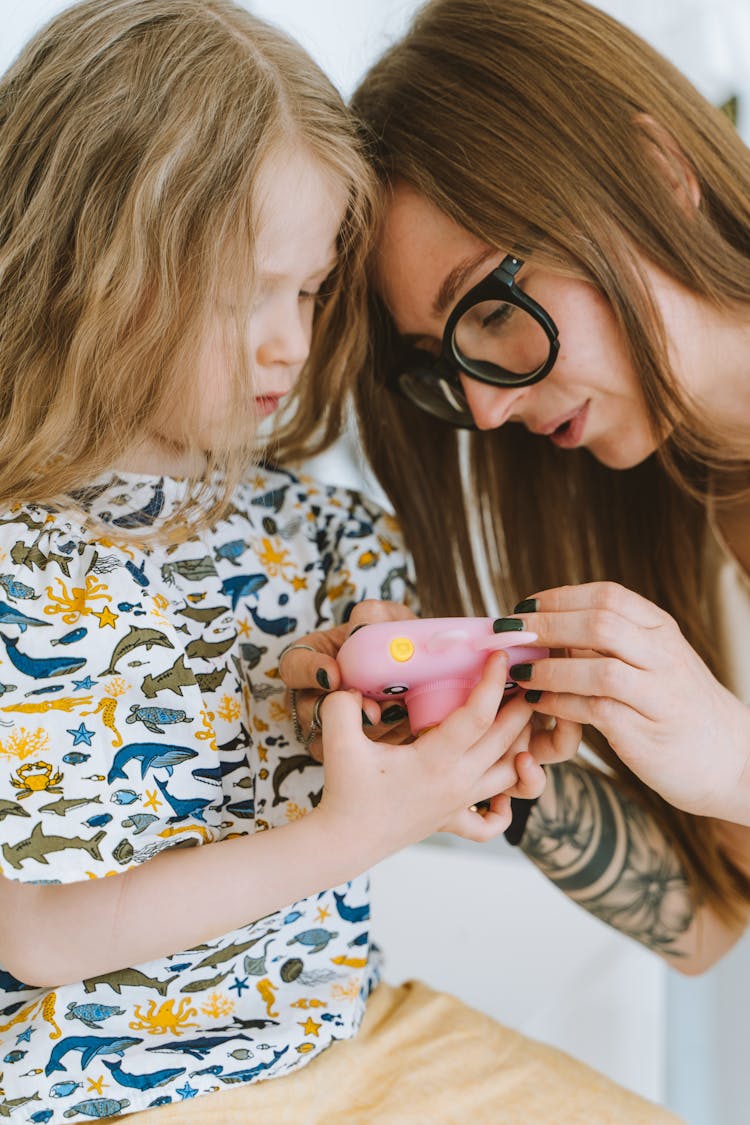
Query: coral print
{"points": [[141, 709]]}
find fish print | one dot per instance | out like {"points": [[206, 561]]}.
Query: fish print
{"points": [[39, 847], [150, 756], [172, 679], [72, 637], [136, 638], [243, 586], [148, 1081], [12, 808], [90, 1047], [129, 978], [98, 1107], [40, 667], [9, 615], [93, 1015], [16, 590]]}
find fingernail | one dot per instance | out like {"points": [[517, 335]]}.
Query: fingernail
{"points": [[366, 720], [529, 605], [393, 714], [507, 625], [322, 677], [520, 672], [532, 696]]}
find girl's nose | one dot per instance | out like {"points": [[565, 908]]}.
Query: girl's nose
{"points": [[285, 342], [490, 406]]}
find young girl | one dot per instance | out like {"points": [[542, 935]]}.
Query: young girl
{"points": [[182, 904]]}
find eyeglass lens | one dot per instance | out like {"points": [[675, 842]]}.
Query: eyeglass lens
{"points": [[438, 396], [495, 334]]}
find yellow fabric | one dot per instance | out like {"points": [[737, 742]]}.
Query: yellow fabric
{"points": [[424, 1058]]}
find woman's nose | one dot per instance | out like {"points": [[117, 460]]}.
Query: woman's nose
{"points": [[491, 406]]}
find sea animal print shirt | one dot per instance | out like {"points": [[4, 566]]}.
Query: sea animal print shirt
{"points": [[141, 708]]}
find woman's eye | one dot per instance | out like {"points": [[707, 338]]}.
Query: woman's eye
{"points": [[498, 317]]}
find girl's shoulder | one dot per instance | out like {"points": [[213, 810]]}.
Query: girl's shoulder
{"points": [[42, 549], [331, 510]]}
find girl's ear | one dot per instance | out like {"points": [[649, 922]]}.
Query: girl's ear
{"points": [[674, 165]]}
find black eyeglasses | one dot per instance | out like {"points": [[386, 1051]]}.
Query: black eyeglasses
{"points": [[496, 334]]}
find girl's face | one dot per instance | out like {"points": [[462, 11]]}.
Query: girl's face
{"points": [[591, 398], [300, 210]]}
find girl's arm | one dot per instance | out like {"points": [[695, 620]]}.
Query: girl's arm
{"points": [[57, 934], [376, 799], [610, 856]]}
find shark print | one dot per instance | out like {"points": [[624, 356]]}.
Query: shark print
{"points": [[142, 709]]}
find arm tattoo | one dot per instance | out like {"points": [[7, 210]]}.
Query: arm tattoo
{"points": [[607, 854]]}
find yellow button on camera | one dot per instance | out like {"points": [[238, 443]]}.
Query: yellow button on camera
{"points": [[401, 649]]}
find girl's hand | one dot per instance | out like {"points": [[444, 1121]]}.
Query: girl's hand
{"points": [[630, 673], [390, 796]]}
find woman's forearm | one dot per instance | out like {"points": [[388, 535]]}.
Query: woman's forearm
{"points": [[53, 935], [607, 854]]}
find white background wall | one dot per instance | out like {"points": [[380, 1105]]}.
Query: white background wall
{"points": [[609, 1006]]}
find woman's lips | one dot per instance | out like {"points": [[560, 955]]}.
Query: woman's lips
{"points": [[567, 432]]}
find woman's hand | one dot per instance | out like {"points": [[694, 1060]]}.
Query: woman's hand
{"points": [[311, 673], [630, 673], [390, 796]]}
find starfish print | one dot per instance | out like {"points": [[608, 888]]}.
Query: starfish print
{"points": [[81, 735]]}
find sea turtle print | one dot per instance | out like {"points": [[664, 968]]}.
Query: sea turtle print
{"points": [[142, 709]]}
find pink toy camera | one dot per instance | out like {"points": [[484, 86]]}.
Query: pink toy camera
{"points": [[430, 663]]}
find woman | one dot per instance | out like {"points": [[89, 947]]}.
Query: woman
{"points": [[556, 401]]}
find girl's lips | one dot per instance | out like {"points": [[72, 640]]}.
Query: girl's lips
{"points": [[568, 433], [267, 404]]}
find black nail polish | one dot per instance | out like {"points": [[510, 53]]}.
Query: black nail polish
{"points": [[508, 625], [520, 672], [393, 714], [532, 696], [322, 677], [528, 605], [366, 720]]}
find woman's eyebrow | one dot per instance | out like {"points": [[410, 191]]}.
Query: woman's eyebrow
{"points": [[446, 294]]}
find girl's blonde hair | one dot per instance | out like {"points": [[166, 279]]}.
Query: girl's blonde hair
{"points": [[132, 133], [546, 128]]}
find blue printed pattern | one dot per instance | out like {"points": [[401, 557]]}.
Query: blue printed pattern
{"points": [[141, 708]]}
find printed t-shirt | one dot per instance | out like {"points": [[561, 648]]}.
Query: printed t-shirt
{"points": [[141, 709]]}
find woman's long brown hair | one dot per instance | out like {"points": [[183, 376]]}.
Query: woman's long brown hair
{"points": [[544, 127]]}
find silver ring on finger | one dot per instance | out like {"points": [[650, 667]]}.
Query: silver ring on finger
{"points": [[290, 648], [299, 734], [316, 726]]}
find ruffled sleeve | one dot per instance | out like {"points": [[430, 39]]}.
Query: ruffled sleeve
{"points": [[92, 781]]}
